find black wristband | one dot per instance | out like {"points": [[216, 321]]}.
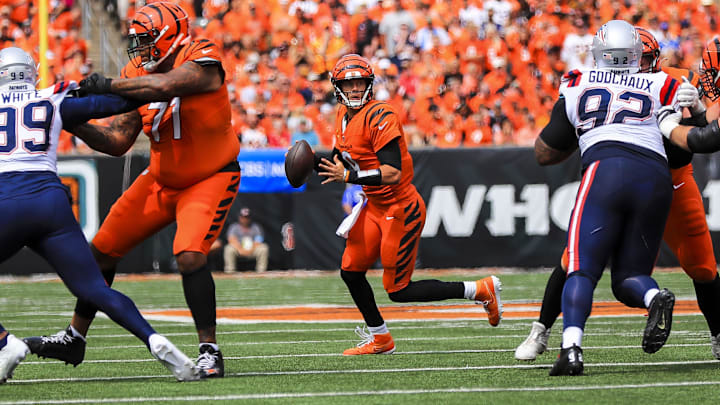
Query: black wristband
{"points": [[371, 177], [704, 139]]}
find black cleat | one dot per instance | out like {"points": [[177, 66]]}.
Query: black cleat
{"points": [[210, 362], [62, 346], [659, 321], [569, 362]]}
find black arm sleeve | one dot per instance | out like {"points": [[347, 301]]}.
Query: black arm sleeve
{"points": [[318, 157], [704, 139], [390, 154], [559, 133]]}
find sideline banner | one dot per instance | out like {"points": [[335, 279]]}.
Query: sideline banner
{"points": [[263, 171]]}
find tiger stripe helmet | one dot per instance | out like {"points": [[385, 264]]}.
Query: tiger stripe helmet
{"points": [[651, 50], [349, 67], [710, 69], [155, 32]]}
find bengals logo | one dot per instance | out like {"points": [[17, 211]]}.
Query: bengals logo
{"points": [[288, 236]]}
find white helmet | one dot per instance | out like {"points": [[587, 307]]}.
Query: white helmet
{"points": [[617, 47], [17, 67]]}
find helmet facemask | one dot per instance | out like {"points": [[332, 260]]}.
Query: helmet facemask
{"points": [[344, 97]]}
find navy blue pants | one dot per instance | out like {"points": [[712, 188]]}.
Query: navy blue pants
{"points": [[43, 220], [619, 217]]}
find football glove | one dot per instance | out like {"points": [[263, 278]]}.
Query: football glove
{"points": [[668, 119], [96, 83], [689, 96]]}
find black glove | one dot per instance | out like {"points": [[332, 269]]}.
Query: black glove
{"points": [[96, 83]]}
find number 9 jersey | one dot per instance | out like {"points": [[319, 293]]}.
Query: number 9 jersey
{"points": [[191, 137], [596, 98]]}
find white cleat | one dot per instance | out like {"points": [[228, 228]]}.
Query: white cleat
{"points": [[11, 355], [173, 359], [715, 345], [535, 344]]}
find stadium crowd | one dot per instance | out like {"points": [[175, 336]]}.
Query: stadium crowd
{"points": [[461, 73]]}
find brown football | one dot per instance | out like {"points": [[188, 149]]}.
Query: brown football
{"points": [[299, 163]]}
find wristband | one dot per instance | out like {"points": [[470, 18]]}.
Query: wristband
{"points": [[371, 177]]}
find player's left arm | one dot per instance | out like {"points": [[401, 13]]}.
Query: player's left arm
{"points": [[389, 172], [557, 141], [187, 79], [78, 110]]}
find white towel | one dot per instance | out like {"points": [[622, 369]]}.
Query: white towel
{"points": [[350, 220]]}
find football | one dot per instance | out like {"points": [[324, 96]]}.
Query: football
{"points": [[299, 163]]}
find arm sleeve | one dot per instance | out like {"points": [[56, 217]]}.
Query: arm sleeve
{"points": [[78, 110], [559, 133], [390, 154]]}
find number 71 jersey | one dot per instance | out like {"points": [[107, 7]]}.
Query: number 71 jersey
{"points": [[191, 137], [604, 106]]}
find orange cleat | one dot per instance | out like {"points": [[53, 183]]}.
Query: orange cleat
{"points": [[488, 294], [371, 344]]}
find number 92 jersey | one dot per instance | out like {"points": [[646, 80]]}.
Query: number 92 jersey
{"points": [[191, 137], [604, 106]]}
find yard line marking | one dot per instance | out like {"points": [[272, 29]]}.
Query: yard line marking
{"points": [[280, 395], [337, 354], [369, 371]]}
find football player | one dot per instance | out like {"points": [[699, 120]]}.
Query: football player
{"points": [[370, 150], [625, 191], [36, 206], [193, 175], [686, 231]]}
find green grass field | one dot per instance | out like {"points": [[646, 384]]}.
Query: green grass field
{"points": [[453, 362]]}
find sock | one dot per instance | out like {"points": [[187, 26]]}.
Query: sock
{"points": [[552, 300], [378, 330], [199, 289], [213, 345], [649, 295], [76, 334], [470, 289], [572, 335], [428, 290], [708, 295]]}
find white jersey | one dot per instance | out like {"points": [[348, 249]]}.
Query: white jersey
{"points": [[604, 106], [30, 125]]}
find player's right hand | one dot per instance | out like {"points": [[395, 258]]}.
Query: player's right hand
{"points": [[689, 96], [668, 119], [96, 83]]}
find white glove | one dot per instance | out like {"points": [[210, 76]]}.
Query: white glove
{"points": [[668, 119], [688, 96]]}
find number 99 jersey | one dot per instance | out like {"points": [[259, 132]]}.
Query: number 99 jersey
{"points": [[30, 125], [191, 137], [604, 106]]}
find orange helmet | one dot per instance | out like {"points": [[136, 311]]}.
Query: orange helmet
{"points": [[651, 50], [710, 69], [350, 67], [155, 32]]}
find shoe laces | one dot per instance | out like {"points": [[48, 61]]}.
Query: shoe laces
{"points": [[61, 337], [365, 335], [206, 360]]}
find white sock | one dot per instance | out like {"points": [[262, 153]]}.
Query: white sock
{"points": [[470, 289], [649, 295], [77, 334], [572, 336], [378, 330], [213, 345]]}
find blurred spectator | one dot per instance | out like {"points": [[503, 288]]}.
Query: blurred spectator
{"points": [[245, 240], [305, 132], [576, 47], [253, 135]]}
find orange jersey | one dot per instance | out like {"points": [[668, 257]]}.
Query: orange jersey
{"points": [[679, 73], [191, 137], [359, 139]]}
